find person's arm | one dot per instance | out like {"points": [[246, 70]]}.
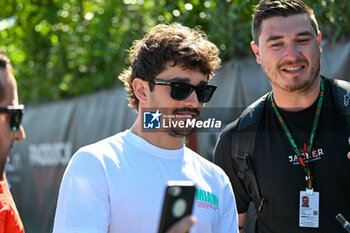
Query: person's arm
{"points": [[242, 219], [222, 158], [183, 226]]}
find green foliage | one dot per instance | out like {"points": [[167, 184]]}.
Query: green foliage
{"points": [[65, 48]]}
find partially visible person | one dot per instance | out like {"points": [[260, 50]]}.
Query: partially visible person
{"points": [[10, 130], [293, 140], [117, 185]]}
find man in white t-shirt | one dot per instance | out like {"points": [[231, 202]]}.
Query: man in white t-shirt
{"points": [[118, 184]]}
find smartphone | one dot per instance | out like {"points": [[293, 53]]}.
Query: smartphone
{"points": [[178, 202]]}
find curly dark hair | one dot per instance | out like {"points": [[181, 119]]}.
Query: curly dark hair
{"points": [[269, 8], [169, 43]]}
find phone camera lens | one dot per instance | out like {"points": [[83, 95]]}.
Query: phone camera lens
{"points": [[174, 191], [179, 208]]}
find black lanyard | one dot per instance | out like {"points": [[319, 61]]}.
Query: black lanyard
{"points": [[306, 167]]}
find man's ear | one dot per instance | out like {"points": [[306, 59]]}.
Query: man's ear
{"points": [[256, 51], [141, 89]]}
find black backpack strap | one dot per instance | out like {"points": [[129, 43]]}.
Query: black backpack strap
{"points": [[243, 141], [341, 90]]}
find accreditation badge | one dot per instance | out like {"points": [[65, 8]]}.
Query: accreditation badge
{"points": [[309, 209]]}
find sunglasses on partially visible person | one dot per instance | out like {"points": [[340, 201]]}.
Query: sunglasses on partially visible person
{"points": [[182, 90], [16, 113]]}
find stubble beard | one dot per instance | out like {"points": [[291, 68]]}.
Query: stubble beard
{"points": [[299, 88], [180, 132]]}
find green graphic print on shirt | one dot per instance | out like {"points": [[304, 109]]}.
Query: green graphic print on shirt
{"points": [[206, 200]]}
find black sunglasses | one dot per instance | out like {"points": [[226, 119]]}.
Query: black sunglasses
{"points": [[182, 90], [16, 115]]}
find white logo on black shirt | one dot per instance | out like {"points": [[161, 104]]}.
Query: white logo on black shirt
{"points": [[316, 154]]}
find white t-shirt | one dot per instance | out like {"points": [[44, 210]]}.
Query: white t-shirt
{"points": [[117, 185]]}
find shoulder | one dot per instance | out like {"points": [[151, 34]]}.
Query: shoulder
{"points": [[340, 83], [340, 89], [115, 140], [89, 167], [99, 153], [101, 148], [250, 116]]}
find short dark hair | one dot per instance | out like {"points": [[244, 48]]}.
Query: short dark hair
{"points": [[269, 8], [174, 43], [4, 64]]}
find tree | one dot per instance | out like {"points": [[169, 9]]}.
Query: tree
{"points": [[65, 48]]}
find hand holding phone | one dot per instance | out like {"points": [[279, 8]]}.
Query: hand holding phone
{"points": [[178, 203], [184, 225]]}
